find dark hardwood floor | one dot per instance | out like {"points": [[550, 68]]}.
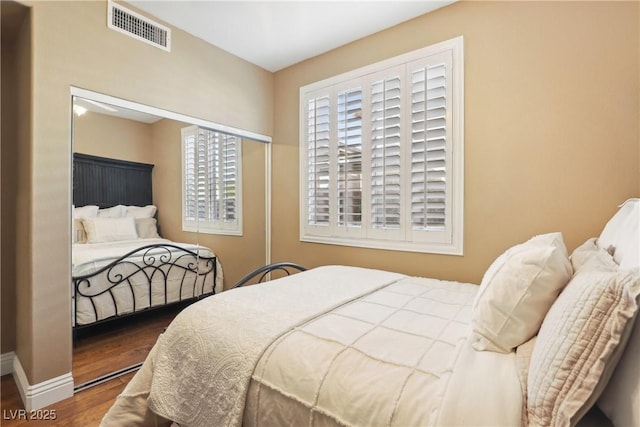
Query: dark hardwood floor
{"points": [[97, 352]]}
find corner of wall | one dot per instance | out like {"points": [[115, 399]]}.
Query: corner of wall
{"points": [[43, 394]]}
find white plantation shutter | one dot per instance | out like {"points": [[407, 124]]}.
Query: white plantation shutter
{"points": [[385, 153], [429, 147], [221, 171], [230, 176], [212, 181], [189, 163], [349, 162], [318, 133], [203, 195], [382, 154]]}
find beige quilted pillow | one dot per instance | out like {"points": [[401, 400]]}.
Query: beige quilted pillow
{"points": [[79, 235], [517, 291], [580, 341]]}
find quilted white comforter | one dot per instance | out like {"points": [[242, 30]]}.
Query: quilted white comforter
{"points": [[331, 346]]}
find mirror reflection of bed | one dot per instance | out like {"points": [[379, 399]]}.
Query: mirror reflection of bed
{"points": [[127, 193]]}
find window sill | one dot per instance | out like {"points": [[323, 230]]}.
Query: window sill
{"points": [[421, 247]]}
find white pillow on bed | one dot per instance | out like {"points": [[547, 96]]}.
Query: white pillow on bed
{"points": [[101, 230], [147, 228], [617, 228], [620, 400], [628, 249], [117, 211], [517, 291], [141, 211], [88, 211], [580, 342]]}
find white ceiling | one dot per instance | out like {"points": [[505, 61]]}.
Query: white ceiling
{"points": [[277, 34]]}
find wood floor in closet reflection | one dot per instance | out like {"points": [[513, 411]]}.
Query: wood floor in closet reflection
{"points": [[119, 344]]}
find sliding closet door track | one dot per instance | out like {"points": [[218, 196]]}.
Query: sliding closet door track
{"points": [[108, 377]]}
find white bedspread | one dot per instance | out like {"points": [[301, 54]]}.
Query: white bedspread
{"points": [[331, 346], [396, 357], [89, 257]]}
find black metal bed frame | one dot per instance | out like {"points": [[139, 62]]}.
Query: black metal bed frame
{"points": [[107, 182], [262, 272], [153, 260]]}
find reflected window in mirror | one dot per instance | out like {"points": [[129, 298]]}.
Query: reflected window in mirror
{"points": [[211, 181]]}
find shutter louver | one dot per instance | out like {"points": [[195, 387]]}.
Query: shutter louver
{"points": [[349, 140], [385, 153], [318, 135], [190, 207], [428, 161]]}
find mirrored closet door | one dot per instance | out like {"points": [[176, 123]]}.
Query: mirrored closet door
{"points": [[167, 210]]}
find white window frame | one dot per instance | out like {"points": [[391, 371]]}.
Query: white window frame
{"points": [[221, 226], [443, 241]]}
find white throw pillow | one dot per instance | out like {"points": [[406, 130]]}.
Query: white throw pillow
{"points": [[517, 291], [141, 211], [620, 400], [589, 253], [101, 230], [626, 252], [147, 228], [614, 231], [88, 211], [117, 211]]}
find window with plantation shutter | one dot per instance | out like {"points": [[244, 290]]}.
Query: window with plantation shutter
{"points": [[212, 188], [381, 154]]}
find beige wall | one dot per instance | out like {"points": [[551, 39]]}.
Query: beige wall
{"points": [[13, 84], [551, 127], [16, 180], [108, 136], [194, 79]]}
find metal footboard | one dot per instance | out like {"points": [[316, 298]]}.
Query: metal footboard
{"points": [[135, 273], [262, 272]]}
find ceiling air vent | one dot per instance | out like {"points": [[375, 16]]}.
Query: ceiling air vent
{"points": [[139, 27]]}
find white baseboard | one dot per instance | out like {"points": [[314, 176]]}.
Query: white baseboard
{"points": [[6, 363], [43, 394]]}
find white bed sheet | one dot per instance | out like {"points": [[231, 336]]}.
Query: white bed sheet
{"points": [[90, 257]]}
